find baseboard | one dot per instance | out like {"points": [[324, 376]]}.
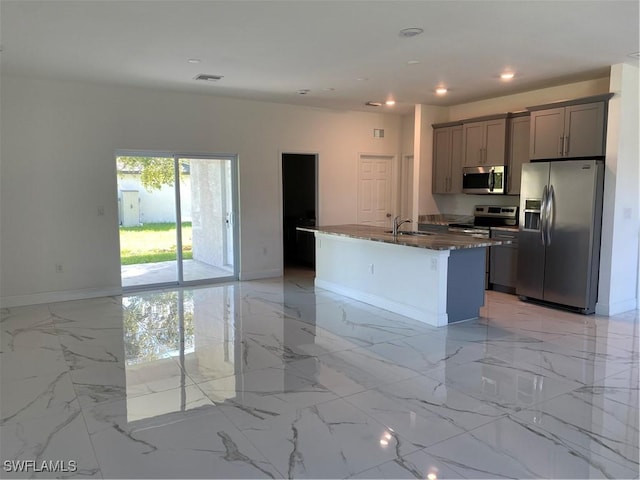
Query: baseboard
{"points": [[260, 274], [52, 297], [429, 318], [617, 307]]}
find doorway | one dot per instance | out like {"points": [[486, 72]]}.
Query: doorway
{"points": [[178, 219], [299, 208], [375, 180]]}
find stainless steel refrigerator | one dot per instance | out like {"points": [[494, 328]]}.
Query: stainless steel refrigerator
{"points": [[559, 233]]}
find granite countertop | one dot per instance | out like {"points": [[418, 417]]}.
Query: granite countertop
{"points": [[431, 241], [444, 218], [513, 229]]}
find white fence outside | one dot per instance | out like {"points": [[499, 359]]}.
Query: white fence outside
{"points": [[156, 206]]}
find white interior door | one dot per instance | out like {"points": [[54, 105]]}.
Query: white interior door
{"points": [[375, 175]]}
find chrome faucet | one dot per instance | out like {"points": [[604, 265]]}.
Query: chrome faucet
{"points": [[397, 221]]}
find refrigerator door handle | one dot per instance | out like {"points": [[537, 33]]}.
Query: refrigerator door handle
{"points": [[550, 213], [543, 215]]}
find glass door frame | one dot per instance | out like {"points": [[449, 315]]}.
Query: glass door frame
{"points": [[234, 217]]}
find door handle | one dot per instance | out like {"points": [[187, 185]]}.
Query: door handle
{"points": [[566, 145], [543, 215], [560, 146], [550, 213]]}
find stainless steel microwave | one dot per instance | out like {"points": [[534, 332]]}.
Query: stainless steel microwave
{"points": [[483, 180]]}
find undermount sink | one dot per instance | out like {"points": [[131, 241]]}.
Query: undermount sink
{"points": [[414, 233]]}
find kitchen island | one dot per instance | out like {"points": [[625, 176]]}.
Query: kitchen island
{"points": [[431, 277]]}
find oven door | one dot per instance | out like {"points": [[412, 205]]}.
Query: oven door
{"points": [[483, 180]]}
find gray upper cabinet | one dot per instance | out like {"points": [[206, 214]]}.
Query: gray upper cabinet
{"points": [[447, 159], [484, 142], [518, 151], [575, 129]]}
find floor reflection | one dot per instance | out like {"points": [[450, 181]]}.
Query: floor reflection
{"points": [[167, 334]]}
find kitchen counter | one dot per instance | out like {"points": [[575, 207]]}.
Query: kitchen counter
{"points": [[436, 278], [431, 241]]}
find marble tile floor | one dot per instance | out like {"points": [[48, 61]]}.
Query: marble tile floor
{"points": [[277, 379]]}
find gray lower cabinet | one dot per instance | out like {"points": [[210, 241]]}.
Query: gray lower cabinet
{"points": [[503, 270]]}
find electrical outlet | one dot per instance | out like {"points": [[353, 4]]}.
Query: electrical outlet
{"points": [[434, 264], [100, 210], [59, 268], [371, 268]]}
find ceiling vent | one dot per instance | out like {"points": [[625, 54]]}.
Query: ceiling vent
{"points": [[208, 78]]}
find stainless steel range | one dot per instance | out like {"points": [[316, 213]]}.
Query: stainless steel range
{"points": [[485, 217]]}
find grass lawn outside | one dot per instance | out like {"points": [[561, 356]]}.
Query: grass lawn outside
{"points": [[153, 242]]}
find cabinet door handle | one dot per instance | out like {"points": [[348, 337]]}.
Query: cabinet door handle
{"points": [[560, 146], [566, 145]]}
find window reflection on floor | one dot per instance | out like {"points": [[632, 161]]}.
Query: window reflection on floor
{"points": [[166, 335]]}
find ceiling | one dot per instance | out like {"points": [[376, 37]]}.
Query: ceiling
{"points": [[343, 52]]}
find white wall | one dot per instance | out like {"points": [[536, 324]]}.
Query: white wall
{"points": [[407, 133], [619, 270], [425, 116], [58, 145], [520, 101]]}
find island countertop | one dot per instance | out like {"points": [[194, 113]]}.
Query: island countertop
{"points": [[431, 241]]}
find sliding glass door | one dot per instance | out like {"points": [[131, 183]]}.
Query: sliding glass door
{"points": [[177, 219], [207, 219]]}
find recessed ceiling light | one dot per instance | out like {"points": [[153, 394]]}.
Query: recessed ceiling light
{"points": [[390, 103], [194, 60], [441, 90], [413, 62], [635, 55], [362, 79], [303, 91], [410, 32], [373, 104], [507, 76]]}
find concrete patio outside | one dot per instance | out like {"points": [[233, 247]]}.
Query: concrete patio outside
{"points": [[166, 272]]}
